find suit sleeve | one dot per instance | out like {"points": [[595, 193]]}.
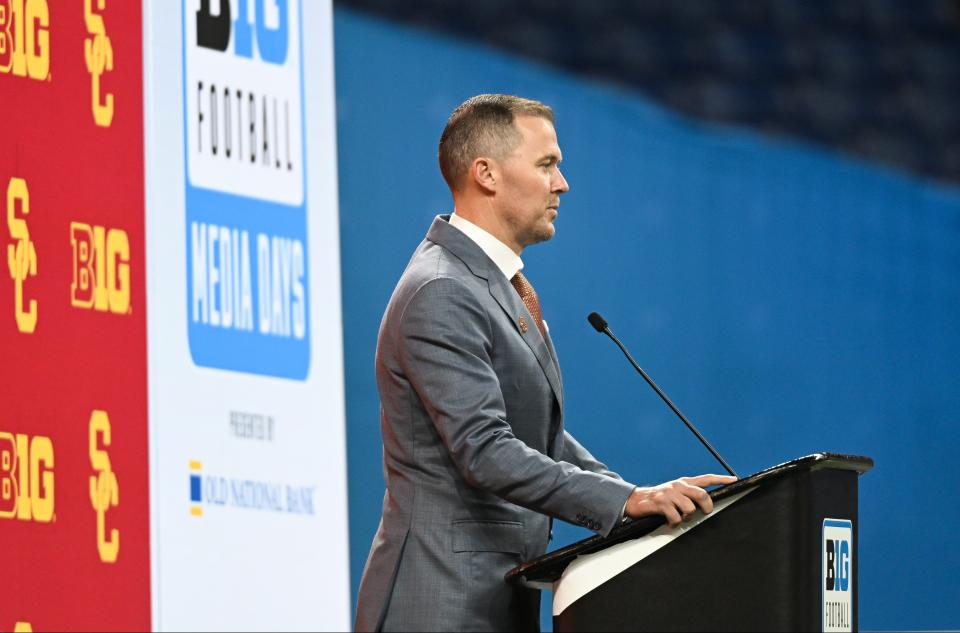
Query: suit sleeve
{"points": [[445, 352], [576, 454]]}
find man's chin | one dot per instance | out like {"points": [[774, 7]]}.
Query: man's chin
{"points": [[544, 235], [550, 230]]}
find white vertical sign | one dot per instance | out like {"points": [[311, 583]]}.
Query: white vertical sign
{"points": [[248, 456]]}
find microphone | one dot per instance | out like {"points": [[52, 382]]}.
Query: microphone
{"points": [[600, 325]]}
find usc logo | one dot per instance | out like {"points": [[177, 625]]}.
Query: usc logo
{"points": [[104, 489], [25, 38], [101, 268], [98, 54], [26, 477], [21, 256]]}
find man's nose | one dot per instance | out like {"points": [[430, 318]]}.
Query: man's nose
{"points": [[560, 183]]}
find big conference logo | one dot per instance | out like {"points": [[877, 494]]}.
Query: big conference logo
{"points": [[247, 271], [837, 574]]}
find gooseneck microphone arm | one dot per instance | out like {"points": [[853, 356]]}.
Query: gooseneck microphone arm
{"points": [[600, 325]]}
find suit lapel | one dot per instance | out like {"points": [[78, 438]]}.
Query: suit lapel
{"points": [[556, 360], [500, 289]]}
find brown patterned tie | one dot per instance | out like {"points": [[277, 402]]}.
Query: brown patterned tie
{"points": [[529, 297]]}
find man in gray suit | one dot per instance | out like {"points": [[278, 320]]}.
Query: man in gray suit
{"points": [[476, 459]]}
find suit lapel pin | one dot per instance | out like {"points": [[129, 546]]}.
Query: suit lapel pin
{"points": [[523, 325]]}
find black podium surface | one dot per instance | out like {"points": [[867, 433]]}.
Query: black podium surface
{"points": [[777, 553]]}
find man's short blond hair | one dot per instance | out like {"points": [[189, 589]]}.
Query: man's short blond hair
{"points": [[483, 126]]}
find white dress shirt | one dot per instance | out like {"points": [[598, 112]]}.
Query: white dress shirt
{"points": [[502, 255]]}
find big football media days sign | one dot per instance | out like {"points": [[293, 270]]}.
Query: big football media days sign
{"points": [[247, 270]]}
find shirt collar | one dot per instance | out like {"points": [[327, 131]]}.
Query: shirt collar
{"points": [[502, 255]]}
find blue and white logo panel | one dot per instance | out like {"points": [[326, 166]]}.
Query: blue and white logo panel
{"points": [[247, 257], [837, 574]]}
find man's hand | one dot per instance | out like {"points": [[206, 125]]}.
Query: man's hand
{"points": [[677, 499]]}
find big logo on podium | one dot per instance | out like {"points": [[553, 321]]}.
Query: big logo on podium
{"points": [[247, 272], [837, 574]]}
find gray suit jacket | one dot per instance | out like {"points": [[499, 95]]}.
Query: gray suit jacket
{"points": [[476, 459]]}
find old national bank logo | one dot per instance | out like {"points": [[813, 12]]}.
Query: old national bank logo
{"points": [[837, 574], [247, 261], [218, 491]]}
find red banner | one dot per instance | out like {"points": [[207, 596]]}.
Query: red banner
{"points": [[74, 509]]}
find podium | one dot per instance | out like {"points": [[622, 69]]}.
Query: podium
{"points": [[778, 553]]}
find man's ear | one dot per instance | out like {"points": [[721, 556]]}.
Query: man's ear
{"points": [[485, 173]]}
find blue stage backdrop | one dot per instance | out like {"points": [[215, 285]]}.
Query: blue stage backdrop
{"points": [[789, 300]]}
